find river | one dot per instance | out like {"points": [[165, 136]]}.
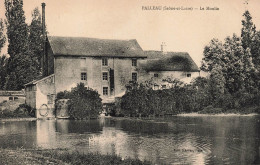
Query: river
{"points": [[173, 140]]}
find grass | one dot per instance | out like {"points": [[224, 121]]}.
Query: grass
{"points": [[90, 158], [242, 111], [61, 156]]}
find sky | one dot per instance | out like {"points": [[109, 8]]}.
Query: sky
{"points": [[182, 30]]}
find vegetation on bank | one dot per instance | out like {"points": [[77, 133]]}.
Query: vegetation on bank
{"points": [[90, 158], [14, 109], [22, 64], [84, 103], [195, 97], [59, 156], [233, 84]]}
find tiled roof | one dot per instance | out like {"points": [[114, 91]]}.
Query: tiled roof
{"points": [[169, 61], [38, 80], [80, 46]]}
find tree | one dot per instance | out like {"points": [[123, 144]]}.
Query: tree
{"points": [[2, 35], [251, 38], [3, 72], [3, 59], [84, 103], [248, 30], [213, 55], [36, 39], [233, 61], [20, 68], [216, 83]]}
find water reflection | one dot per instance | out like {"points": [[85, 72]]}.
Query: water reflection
{"points": [[45, 134], [184, 140]]}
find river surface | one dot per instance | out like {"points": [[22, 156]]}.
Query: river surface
{"points": [[174, 140]]}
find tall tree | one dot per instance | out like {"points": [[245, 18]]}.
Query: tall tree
{"points": [[213, 55], [251, 38], [248, 30], [3, 58], [232, 61], [2, 35], [20, 65], [36, 39]]}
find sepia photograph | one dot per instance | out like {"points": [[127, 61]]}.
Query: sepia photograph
{"points": [[130, 82]]}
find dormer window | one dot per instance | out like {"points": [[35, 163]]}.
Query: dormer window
{"points": [[104, 62]]}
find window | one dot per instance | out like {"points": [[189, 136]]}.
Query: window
{"points": [[83, 76], [104, 61], [134, 62], [188, 75], [163, 86], [50, 98], [156, 75], [105, 90], [134, 76], [105, 75]]}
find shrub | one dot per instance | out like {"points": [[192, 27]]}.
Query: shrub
{"points": [[26, 110], [23, 110], [63, 95], [211, 110], [83, 102]]}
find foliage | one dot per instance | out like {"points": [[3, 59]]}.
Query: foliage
{"points": [[2, 35], [89, 158], [22, 111], [211, 110], [24, 48], [3, 70], [83, 102], [36, 39], [3, 58], [63, 95], [141, 101], [26, 109]]}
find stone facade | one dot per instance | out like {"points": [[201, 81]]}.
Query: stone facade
{"points": [[68, 72], [106, 66], [41, 95]]}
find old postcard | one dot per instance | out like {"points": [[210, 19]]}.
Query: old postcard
{"points": [[129, 82]]}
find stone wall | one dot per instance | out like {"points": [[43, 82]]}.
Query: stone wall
{"points": [[45, 97], [68, 74]]}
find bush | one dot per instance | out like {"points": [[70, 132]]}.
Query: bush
{"points": [[211, 110], [25, 109], [83, 102]]}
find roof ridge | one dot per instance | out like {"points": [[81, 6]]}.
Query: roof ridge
{"points": [[92, 38]]}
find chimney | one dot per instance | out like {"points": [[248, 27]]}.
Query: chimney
{"points": [[43, 20], [163, 48], [44, 56]]}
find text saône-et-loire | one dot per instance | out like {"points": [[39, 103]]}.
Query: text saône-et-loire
{"points": [[177, 8]]}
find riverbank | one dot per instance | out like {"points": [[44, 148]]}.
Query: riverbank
{"points": [[60, 156], [19, 119], [195, 114]]}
